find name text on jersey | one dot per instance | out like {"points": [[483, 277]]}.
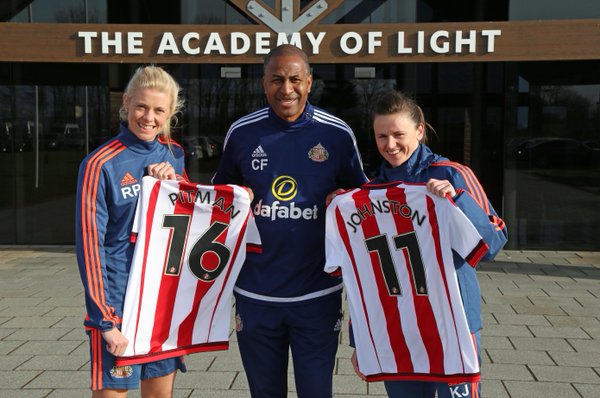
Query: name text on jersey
{"points": [[383, 206], [193, 196]]}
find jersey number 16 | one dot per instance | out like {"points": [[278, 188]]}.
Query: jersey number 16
{"points": [[205, 249]]}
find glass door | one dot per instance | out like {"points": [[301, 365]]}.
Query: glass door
{"points": [[43, 140], [552, 174]]}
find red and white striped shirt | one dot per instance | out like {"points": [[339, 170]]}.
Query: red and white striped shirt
{"points": [[394, 245], [190, 245]]}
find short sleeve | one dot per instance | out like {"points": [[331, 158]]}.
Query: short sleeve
{"points": [[464, 238]]}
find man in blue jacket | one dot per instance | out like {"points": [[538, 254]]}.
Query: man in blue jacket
{"points": [[292, 155]]}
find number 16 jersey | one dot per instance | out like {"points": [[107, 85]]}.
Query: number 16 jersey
{"points": [[191, 241], [394, 246]]}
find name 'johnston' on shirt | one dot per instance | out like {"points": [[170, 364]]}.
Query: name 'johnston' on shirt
{"points": [[383, 206]]}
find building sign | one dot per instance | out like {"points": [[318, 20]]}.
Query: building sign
{"points": [[260, 43], [287, 23]]}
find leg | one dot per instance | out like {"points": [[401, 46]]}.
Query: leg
{"points": [[264, 347], [314, 334], [109, 394], [159, 387], [158, 378], [409, 389]]}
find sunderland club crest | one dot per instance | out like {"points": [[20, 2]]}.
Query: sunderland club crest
{"points": [[318, 153]]}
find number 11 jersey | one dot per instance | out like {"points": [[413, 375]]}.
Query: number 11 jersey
{"points": [[191, 241], [393, 244]]}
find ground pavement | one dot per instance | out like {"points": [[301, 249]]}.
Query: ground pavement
{"points": [[541, 310]]}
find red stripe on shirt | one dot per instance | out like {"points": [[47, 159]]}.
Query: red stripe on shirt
{"points": [[169, 283], [224, 197], [348, 246], [389, 303], [428, 328], [229, 195], [433, 221], [152, 200]]}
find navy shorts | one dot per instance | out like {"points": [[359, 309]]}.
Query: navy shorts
{"points": [[105, 375]]}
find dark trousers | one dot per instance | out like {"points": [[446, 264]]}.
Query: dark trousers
{"points": [[266, 334]]}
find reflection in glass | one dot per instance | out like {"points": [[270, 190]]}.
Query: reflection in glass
{"points": [[553, 165], [211, 12], [553, 9], [65, 11], [43, 138], [211, 105]]}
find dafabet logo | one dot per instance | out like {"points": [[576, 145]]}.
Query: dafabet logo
{"points": [[284, 189]]}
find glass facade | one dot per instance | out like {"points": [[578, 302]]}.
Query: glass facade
{"points": [[530, 130], [552, 169]]}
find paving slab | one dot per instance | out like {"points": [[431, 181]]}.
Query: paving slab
{"points": [[583, 359], [541, 344], [54, 362], [519, 357], [500, 371], [59, 379], [29, 393], [559, 331], [15, 380], [588, 390], [541, 311], [565, 374], [539, 389]]}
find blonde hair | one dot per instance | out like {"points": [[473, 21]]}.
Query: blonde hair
{"points": [[157, 78]]}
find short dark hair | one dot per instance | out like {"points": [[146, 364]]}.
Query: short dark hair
{"points": [[392, 101], [286, 50]]}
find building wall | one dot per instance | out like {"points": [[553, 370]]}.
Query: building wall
{"points": [[530, 130]]}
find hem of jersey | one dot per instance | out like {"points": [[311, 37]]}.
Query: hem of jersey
{"points": [[451, 379], [177, 352], [271, 299]]}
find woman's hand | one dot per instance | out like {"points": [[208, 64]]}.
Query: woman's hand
{"points": [[441, 188], [162, 171], [116, 342], [355, 366]]}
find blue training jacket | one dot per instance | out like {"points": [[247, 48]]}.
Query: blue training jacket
{"points": [[471, 199], [107, 189], [291, 168]]}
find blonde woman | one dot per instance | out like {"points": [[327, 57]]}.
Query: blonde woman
{"points": [[108, 183]]}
